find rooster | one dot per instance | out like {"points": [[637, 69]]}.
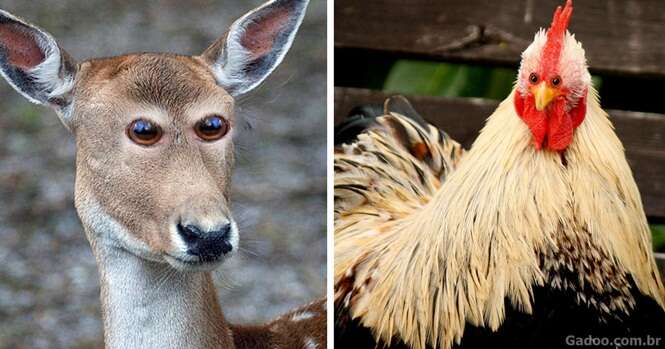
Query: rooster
{"points": [[535, 237]]}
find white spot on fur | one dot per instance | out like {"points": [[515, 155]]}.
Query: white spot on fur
{"points": [[302, 316], [310, 343]]}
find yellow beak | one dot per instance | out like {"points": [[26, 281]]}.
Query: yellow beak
{"points": [[543, 95]]}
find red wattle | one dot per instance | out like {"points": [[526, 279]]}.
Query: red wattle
{"points": [[579, 112], [518, 101], [534, 119], [552, 128], [560, 126]]}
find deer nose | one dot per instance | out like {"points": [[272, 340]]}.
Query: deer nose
{"points": [[207, 245]]}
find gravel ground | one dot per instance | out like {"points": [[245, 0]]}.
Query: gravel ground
{"points": [[48, 278]]}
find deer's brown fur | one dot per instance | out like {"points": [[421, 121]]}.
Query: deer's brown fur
{"points": [[137, 202]]}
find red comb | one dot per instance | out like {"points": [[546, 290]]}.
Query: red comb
{"points": [[555, 36]]}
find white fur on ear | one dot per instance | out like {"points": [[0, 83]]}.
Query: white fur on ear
{"points": [[255, 45], [34, 65]]}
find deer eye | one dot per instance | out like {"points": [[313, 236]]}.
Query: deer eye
{"points": [[556, 81], [144, 132], [533, 78], [211, 128]]}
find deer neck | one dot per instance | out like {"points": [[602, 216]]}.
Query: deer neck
{"points": [[147, 304]]}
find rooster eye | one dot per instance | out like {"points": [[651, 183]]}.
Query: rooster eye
{"points": [[533, 78], [556, 81], [144, 132], [211, 128]]}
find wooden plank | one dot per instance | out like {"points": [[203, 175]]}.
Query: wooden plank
{"points": [[619, 36], [643, 134]]}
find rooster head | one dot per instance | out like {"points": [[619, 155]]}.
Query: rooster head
{"points": [[552, 84]]}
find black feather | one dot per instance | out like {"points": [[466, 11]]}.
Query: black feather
{"points": [[556, 319], [359, 119]]}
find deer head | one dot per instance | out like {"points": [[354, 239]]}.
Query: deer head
{"points": [[153, 131]]}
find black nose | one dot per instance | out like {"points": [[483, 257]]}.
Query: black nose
{"points": [[207, 245]]}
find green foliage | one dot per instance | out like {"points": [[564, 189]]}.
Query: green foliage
{"points": [[450, 80], [597, 82], [658, 233]]}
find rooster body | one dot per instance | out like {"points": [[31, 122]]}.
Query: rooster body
{"points": [[536, 233], [575, 289]]}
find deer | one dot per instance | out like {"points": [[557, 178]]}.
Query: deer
{"points": [[154, 153]]}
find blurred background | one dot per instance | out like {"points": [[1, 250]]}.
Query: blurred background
{"points": [[48, 278]]}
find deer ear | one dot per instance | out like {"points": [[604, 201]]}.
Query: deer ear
{"points": [[33, 63], [255, 45]]}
